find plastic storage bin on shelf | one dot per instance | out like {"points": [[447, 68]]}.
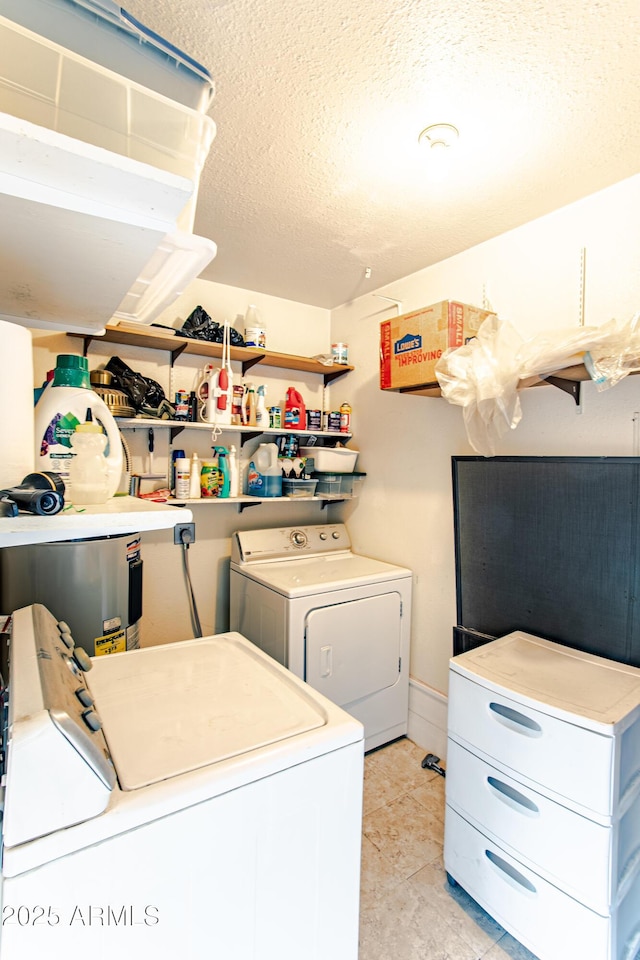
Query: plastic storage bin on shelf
{"points": [[103, 32], [331, 459], [55, 88], [339, 484], [299, 488]]}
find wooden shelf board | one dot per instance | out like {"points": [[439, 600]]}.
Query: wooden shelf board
{"points": [[574, 374], [246, 355]]}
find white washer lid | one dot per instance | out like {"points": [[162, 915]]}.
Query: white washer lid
{"points": [[304, 576], [173, 708]]}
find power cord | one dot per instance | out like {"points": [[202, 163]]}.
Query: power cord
{"points": [[186, 539]]}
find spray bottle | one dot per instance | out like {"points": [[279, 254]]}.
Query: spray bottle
{"points": [[262, 417], [223, 472]]}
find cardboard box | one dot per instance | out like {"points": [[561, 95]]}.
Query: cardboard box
{"points": [[411, 345]]}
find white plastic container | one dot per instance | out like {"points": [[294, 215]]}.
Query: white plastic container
{"points": [[46, 84], [61, 408], [103, 32], [88, 469], [299, 488], [264, 477], [331, 459], [183, 478]]}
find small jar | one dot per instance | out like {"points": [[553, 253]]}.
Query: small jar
{"points": [[340, 352]]}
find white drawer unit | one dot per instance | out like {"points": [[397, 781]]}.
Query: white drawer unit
{"points": [[543, 795]]}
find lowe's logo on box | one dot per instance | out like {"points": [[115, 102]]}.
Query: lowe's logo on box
{"points": [[410, 341]]}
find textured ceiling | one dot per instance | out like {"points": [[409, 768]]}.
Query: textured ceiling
{"points": [[316, 173]]}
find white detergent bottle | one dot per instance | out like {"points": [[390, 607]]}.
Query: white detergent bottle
{"points": [[61, 408]]}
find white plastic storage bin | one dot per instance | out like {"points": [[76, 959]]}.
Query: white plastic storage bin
{"points": [[331, 459], [52, 87], [103, 32]]}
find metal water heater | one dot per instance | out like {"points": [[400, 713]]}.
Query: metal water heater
{"points": [[95, 585]]}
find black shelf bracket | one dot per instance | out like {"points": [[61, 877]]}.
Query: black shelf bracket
{"points": [[175, 352], [245, 504], [251, 362], [572, 387], [333, 375]]}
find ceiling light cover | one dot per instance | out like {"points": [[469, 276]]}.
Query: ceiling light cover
{"points": [[439, 135]]}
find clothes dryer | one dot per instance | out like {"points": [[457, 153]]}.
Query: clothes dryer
{"points": [[338, 620]]}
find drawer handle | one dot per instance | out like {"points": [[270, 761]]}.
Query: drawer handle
{"points": [[515, 720], [512, 797], [512, 874]]}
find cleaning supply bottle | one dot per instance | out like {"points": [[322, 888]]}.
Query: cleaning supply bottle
{"points": [[88, 470], [194, 478], [210, 478], [265, 473], [234, 472], [262, 417], [345, 418], [175, 455], [249, 405], [223, 471], [183, 478], [255, 332], [295, 414], [62, 406]]}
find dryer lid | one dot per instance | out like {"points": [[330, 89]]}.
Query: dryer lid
{"points": [[308, 576], [176, 707]]}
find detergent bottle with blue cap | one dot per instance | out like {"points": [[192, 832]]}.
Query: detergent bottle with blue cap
{"points": [[264, 477]]}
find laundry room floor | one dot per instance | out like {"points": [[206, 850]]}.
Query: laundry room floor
{"points": [[408, 910]]}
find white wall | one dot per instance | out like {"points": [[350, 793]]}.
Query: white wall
{"points": [[404, 514], [532, 277], [291, 328]]}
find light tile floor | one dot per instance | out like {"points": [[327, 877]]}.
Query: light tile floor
{"points": [[408, 910]]}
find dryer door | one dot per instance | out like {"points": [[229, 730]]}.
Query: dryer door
{"points": [[353, 648]]}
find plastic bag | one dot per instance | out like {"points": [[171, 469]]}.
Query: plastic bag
{"points": [[483, 376], [142, 391], [612, 360], [200, 326]]}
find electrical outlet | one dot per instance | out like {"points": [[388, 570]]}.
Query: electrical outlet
{"points": [[184, 533]]}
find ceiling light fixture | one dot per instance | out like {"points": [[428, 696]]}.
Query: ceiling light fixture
{"points": [[439, 136]]}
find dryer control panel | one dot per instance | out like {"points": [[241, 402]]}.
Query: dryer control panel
{"points": [[281, 543]]}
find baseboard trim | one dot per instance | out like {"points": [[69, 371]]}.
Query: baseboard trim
{"points": [[427, 718]]}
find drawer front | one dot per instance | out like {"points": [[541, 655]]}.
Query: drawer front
{"points": [[551, 924], [563, 759], [569, 850]]}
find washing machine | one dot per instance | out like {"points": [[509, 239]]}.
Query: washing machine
{"points": [[187, 799], [338, 620]]}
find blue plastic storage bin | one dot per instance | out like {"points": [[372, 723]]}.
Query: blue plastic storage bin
{"points": [[103, 32]]}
